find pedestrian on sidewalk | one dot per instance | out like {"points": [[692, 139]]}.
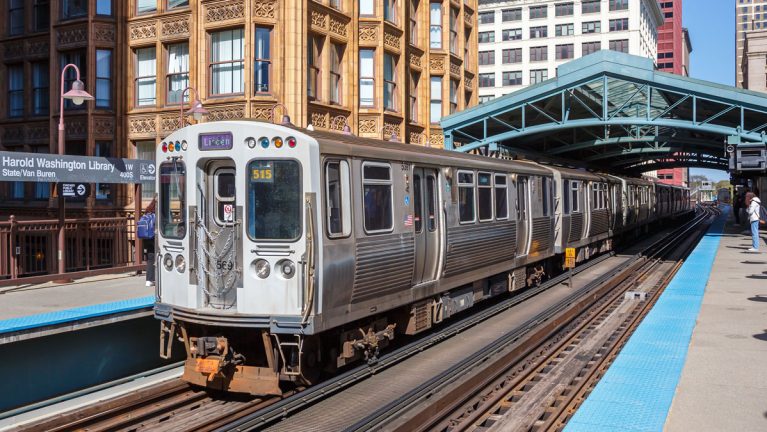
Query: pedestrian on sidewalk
{"points": [[145, 231], [753, 210]]}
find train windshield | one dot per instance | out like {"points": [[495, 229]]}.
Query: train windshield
{"points": [[274, 200], [172, 200]]}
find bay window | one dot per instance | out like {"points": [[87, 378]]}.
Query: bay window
{"points": [[146, 76], [227, 62], [177, 76], [103, 78], [435, 106], [262, 65], [390, 84], [367, 77], [435, 27]]}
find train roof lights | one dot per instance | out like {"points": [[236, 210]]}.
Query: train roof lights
{"points": [[277, 141], [251, 142], [264, 142], [184, 145], [164, 147], [291, 142], [171, 147]]}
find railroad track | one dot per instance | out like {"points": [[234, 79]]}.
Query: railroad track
{"points": [[175, 406], [542, 385]]}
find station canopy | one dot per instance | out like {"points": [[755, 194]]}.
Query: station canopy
{"points": [[614, 112]]}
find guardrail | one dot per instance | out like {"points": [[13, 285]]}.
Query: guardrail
{"points": [[28, 248]]}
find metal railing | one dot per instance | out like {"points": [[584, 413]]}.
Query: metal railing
{"points": [[29, 247]]}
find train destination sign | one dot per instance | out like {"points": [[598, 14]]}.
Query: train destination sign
{"points": [[40, 167]]}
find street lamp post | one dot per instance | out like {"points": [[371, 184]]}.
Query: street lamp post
{"points": [[197, 110], [77, 95]]}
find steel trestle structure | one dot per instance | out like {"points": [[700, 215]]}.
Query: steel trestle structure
{"points": [[612, 111]]}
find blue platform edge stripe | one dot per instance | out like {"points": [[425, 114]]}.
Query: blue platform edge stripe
{"points": [[74, 314], [636, 392]]}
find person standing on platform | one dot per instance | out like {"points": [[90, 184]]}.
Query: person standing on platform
{"points": [[753, 210], [737, 205], [145, 231]]}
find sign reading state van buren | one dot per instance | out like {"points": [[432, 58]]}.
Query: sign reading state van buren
{"points": [[42, 167]]}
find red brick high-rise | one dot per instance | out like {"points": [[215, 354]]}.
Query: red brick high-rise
{"points": [[673, 56]]}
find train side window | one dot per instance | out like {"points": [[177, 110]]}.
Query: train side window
{"points": [[566, 194], [485, 196], [545, 195], [431, 204], [377, 197], [224, 186], [417, 205], [501, 200], [338, 198], [574, 193], [465, 196]]}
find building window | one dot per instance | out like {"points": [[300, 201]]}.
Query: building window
{"points": [[487, 80], [512, 55], [435, 106], [670, 14], [103, 78], [619, 5], [435, 25], [104, 7], [227, 61], [511, 15], [336, 83], [591, 6], [42, 14], [103, 149], [512, 78], [591, 27], [540, 53], [78, 58], [619, 24], [414, 78], [539, 32], [177, 78], [454, 31], [511, 34], [538, 75], [564, 30], [367, 7], [262, 63], [453, 96], [486, 58], [487, 17], [591, 47], [466, 45], [146, 6], [538, 11], [146, 150], [40, 87], [15, 90], [314, 63], [390, 11], [74, 8], [488, 98], [563, 9], [367, 77], [146, 76], [486, 37], [414, 22], [621, 45], [15, 17], [390, 82], [172, 4], [564, 52]]}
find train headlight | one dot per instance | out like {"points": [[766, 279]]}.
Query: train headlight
{"points": [[167, 262], [262, 268], [180, 263], [287, 268]]}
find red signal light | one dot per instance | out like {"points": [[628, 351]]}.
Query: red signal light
{"points": [[165, 147], [291, 142]]}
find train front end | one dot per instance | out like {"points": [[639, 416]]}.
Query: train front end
{"points": [[236, 252]]}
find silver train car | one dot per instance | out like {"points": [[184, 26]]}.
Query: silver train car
{"points": [[283, 253]]}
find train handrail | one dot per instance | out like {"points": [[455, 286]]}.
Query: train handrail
{"points": [[309, 273]]}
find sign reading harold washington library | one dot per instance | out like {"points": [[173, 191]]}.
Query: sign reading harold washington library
{"points": [[42, 167]]}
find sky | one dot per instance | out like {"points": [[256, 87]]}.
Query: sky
{"points": [[711, 24]]}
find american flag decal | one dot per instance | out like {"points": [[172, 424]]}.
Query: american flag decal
{"points": [[409, 220]]}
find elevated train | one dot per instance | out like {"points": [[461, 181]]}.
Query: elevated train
{"points": [[284, 252]]}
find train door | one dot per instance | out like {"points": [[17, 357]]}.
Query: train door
{"points": [[427, 224], [523, 215], [218, 224]]}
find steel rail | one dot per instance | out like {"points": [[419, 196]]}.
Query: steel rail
{"points": [[451, 375]]}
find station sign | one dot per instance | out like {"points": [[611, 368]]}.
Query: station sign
{"points": [[48, 168]]}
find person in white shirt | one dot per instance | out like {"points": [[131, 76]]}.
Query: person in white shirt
{"points": [[753, 210]]}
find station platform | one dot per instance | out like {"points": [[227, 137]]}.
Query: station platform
{"points": [[698, 361], [29, 311]]}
